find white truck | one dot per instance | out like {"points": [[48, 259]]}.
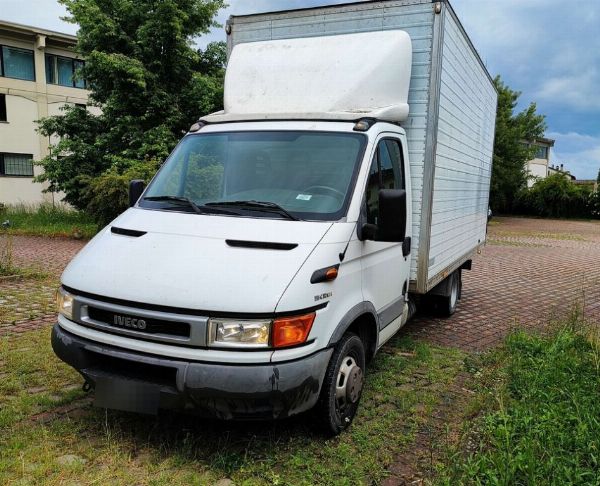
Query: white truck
{"points": [[287, 238]]}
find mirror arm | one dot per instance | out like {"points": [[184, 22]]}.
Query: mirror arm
{"points": [[368, 231]]}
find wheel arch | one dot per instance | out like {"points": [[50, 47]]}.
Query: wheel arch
{"points": [[362, 320]]}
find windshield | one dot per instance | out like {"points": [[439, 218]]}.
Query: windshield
{"points": [[308, 175]]}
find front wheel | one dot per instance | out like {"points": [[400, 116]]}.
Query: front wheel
{"points": [[343, 384]]}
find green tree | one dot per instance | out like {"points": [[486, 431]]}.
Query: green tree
{"points": [[509, 174], [150, 83]]}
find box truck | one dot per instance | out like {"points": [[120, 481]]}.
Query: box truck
{"points": [[288, 237]]}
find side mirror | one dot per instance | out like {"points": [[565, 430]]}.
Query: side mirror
{"points": [[136, 188], [391, 226]]}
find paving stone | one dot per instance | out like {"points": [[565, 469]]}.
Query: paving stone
{"points": [[49, 255], [521, 286]]}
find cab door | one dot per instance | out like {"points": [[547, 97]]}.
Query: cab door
{"points": [[385, 266]]}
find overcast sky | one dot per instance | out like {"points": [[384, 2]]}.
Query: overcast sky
{"points": [[547, 49]]}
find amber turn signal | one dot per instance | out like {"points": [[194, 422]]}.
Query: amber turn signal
{"points": [[326, 274], [331, 273], [291, 331]]}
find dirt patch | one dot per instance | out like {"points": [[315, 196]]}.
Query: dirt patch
{"points": [[440, 429]]}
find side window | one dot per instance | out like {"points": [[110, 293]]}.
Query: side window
{"points": [[372, 193], [395, 157], [386, 172]]}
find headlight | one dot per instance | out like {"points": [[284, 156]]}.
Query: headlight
{"points": [[239, 333], [279, 333], [64, 302]]}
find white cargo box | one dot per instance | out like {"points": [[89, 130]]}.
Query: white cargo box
{"points": [[451, 120]]}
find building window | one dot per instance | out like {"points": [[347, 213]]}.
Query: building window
{"points": [[16, 165], [16, 63], [3, 117], [64, 71], [541, 152]]}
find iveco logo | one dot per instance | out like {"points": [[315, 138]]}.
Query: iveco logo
{"points": [[130, 322]]}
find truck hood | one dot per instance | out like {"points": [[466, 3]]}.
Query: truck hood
{"points": [[188, 261]]}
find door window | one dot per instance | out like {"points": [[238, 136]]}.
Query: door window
{"points": [[386, 172]]}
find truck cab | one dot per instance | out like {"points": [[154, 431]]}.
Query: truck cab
{"points": [[247, 302]]}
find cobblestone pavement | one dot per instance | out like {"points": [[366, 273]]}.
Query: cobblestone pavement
{"points": [[530, 271], [27, 303], [49, 255]]}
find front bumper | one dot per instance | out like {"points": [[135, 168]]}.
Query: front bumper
{"points": [[138, 382]]}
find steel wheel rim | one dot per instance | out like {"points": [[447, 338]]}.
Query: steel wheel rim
{"points": [[348, 385]]}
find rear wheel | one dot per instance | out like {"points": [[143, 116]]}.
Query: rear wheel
{"points": [[447, 303], [343, 384]]}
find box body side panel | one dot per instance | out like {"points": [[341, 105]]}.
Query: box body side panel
{"points": [[463, 156]]}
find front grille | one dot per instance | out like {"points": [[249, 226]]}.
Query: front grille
{"points": [[153, 326]]}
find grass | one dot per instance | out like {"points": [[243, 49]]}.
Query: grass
{"points": [[32, 378], [531, 416], [497, 242], [539, 413], [48, 220], [7, 267], [539, 235], [405, 382]]}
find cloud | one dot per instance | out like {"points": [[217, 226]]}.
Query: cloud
{"points": [[577, 90], [39, 13], [580, 153]]}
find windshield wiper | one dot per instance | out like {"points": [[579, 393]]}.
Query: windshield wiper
{"points": [[255, 206], [188, 202]]}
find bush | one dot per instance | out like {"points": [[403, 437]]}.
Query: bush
{"points": [[594, 204], [557, 197], [107, 195]]}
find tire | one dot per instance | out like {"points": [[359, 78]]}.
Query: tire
{"points": [[346, 366], [447, 304]]}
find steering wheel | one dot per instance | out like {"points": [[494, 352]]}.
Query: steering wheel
{"points": [[326, 189]]}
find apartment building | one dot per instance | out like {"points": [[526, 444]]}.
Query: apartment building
{"points": [[38, 75], [538, 167]]}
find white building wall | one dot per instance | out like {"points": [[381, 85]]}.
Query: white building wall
{"points": [[536, 169], [26, 102], [19, 136]]}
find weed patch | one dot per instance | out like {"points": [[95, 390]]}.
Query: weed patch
{"points": [[514, 242], [539, 235], [539, 413], [48, 220]]}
